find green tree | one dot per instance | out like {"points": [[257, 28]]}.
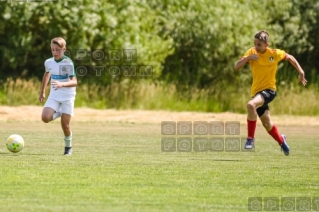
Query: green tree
{"points": [[87, 25]]}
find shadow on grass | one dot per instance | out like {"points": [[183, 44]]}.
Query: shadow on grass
{"points": [[17, 154], [230, 160], [8, 154]]}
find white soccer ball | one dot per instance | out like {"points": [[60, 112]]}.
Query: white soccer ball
{"points": [[15, 143]]}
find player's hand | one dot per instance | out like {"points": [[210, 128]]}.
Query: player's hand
{"points": [[253, 57], [56, 85], [301, 78], [41, 97]]}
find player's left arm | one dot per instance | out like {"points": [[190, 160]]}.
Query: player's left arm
{"points": [[294, 62]]}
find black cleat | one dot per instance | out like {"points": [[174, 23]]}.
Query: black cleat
{"points": [[67, 150]]}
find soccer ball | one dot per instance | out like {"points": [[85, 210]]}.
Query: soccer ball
{"points": [[15, 143]]}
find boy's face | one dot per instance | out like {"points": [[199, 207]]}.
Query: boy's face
{"points": [[260, 45], [57, 51]]}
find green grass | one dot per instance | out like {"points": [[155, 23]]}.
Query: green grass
{"points": [[120, 167]]}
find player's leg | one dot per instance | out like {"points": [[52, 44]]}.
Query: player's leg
{"points": [[273, 131], [49, 110], [271, 128], [252, 105], [67, 113], [266, 122], [65, 124], [47, 114]]}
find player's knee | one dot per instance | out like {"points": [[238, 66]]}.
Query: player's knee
{"points": [[251, 106], [66, 126], [46, 119]]}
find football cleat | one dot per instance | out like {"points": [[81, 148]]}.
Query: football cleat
{"points": [[67, 150], [284, 145], [249, 143]]}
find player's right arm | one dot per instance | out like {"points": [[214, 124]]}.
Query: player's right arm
{"points": [[45, 81], [240, 63]]}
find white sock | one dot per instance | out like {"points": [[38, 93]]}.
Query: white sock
{"points": [[56, 115], [68, 140]]}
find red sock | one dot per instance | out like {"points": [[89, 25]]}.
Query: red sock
{"points": [[275, 134], [251, 125]]}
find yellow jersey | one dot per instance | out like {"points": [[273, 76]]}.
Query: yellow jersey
{"points": [[264, 69]]}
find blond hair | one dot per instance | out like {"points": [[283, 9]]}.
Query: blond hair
{"points": [[59, 41]]}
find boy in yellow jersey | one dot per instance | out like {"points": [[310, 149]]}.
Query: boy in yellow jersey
{"points": [[263, 63]]}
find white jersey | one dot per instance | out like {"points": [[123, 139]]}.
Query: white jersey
{"points": [[61, 71]]}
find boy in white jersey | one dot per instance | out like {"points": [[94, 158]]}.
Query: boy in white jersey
{"points": [[60, 102]]}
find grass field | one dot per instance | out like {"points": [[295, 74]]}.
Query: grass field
{"points": [[119, 166]]}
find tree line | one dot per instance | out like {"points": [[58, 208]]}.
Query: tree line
{"points": [[184, 42]]}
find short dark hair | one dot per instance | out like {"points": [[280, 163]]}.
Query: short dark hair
{"points": [[262, 35]]}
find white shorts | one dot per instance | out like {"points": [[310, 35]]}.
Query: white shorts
{"points": [[66, 107]]}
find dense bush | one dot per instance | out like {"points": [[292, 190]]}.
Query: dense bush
{"points": [[186, 42]]}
